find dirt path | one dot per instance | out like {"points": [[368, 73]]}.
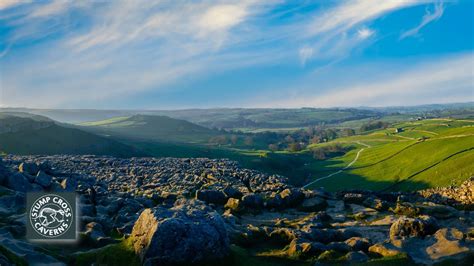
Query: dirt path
{"points": [[340, 171]]}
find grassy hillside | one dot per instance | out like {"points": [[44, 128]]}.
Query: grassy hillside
{"points": [[152, 128], [22, 135], [428, 153], [266, 118]]}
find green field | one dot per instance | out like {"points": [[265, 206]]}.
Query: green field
{"points": [[408, 155], [428, 153], [60, 140], [155, 128]]}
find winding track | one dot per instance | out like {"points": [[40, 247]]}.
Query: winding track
{"points": [[340, 171], [368, 146]]}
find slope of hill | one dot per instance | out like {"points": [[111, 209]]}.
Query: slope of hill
{"points": [[23, 134], [266, 118], [151, 128], [428, 153]]}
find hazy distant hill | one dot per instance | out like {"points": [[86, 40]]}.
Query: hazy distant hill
{"points": [[149, 127], [241, 118], [27, 134]]}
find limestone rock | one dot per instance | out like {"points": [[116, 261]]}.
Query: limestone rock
{"points": [[29, 168], [190, 232], [234, 205], [302, 248], [412, 227], [356, 257], [211, 196], [313, 205], [385, 249], [252, 201], [18, 182], [43, 179], [292, 197], [358, 243], [449, 243]]}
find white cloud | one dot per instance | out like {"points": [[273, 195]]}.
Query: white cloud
{"points": [[305, 53], [427, 18], [351, 13], [53, 8], [364, 33], [442, 80], [334, 31], [5, 4], [222, 17], [128, 47]]}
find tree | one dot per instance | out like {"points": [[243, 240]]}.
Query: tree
{"points": [[220, 140], [234, 139], [289, 139], [273, 147], [248, 141], [294, 147], [319, 154], [315, 140], [347, 132]]}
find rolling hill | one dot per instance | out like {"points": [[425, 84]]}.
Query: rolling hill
{"points": [[265, 118], [151, 128], [427, 153], [29, 134]]}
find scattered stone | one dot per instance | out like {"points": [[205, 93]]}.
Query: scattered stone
{"points": [[328, 255], [385, 250], [232, 192], [313, 205], [376, 203], [355, 198], [412, 227], [252, 201], [18, 182], [356, 257], [358, 243], [211, 196], [94, 230], [145, 198], [29, 168], [449, 243], [303, 248], [292, 197], [438, 211], [43, 179], [234, 205]]}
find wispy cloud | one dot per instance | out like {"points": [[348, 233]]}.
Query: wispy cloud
{"points": [[90, 51], [351, 13], [338, 30], [427, 18], [443, 80], [364, 33], [5, 4]]}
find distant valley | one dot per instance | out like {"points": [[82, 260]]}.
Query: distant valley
{"points": [[332, 148]]}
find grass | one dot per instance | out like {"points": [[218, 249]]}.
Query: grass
{"points": [[395, 163], [115, 254], [390, 159], [61, 140], [16, 260], [151, 128]]}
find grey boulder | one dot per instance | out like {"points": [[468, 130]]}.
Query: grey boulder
{"points": [[190, 232], [43, 179]]}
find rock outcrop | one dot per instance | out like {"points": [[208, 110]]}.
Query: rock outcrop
{"points": [[189, 232], [185, 211]]}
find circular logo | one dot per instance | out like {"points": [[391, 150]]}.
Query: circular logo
{"points": [[51, 215]]}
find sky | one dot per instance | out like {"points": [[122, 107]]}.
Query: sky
{"points": [[176, 54]]}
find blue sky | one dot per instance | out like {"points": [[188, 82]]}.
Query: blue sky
{"points": [[187, 54]]}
